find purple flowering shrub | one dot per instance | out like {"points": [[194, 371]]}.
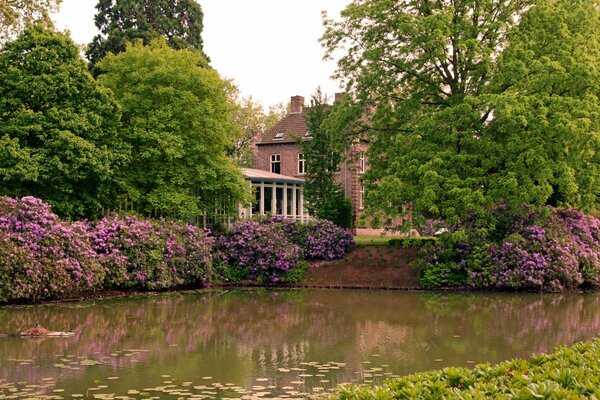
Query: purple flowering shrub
{"points": [[42, 257], [272, 250], [318, 240], [557, 251], [258, 251], [151, 254], [326, 241]]}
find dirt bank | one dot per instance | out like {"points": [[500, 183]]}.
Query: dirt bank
{"points": [[376, 267]]}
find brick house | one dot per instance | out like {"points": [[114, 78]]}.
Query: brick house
{"points": [[277, 151]]}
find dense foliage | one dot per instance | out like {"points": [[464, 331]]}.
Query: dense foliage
{"points": [[151, 254], [569, 373], [176, 117], [252, 119], [123, 21], [41, 256], [274, 250], [323, 154], [58, 127], [554, 251], [477, 103], [15, 15]]}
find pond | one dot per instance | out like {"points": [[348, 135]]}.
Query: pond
{"points": [[274, 343]]}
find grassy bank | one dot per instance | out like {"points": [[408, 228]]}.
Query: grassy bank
{"points": [[568, 373]]}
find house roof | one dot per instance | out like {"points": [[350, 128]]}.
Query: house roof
{"points": [[288, 130], [257, 175]]}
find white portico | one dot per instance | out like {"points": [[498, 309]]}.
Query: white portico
{"points": [[275, 194]]}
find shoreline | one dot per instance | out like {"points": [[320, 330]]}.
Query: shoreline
{"points": [[385, 268]]}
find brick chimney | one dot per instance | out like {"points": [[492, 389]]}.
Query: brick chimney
{"points": [[296, 104], [339, 97]]}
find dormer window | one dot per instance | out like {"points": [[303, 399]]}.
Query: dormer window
{"points": [[279, 135]]}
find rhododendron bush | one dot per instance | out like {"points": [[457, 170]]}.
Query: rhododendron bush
{"points": [[148, 254], [553, 251], [272, 250], [42, 257]]}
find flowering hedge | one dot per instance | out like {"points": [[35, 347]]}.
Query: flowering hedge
{"points": [[41, 256], [149, 254], [272, 250], [556, 251], [259, 252]]}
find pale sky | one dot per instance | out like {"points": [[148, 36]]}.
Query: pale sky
{"points": [[268, 47]]}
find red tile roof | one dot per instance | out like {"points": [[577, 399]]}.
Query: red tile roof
{"points": [[290, 128]]}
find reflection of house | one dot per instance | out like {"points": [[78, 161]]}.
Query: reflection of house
{"points": [[276, 194], [278, 152]]}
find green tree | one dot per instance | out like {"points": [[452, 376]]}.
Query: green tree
{"points": [[478, 103], [250, 117], [15, 15], [177, 119], [57, 126], [323, 154], [123, 21]]}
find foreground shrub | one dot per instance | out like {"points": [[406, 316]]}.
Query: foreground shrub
{"points": [[258, 251], [569, 373], [42, 257], [148, 254], [555, 251]]}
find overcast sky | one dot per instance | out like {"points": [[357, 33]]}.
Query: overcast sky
{"points": [[268, 47]]}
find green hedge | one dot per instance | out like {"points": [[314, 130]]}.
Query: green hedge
{"points": [[569, 373], [411, 241]]}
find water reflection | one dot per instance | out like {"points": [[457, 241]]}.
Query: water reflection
{"points": [[294, 339]]}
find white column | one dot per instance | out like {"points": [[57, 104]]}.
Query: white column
{"points": [[274, 200], [301, 206], [284, 209], [262, 198], [294, 211]]}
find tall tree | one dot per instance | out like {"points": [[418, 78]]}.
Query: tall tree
{"points": [[122, 21], [57, 126], [323, 155], [16, 14], [462, 120], [177, 119], [252, 119]]}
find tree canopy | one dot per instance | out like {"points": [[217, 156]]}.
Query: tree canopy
{"points": [[323, 155], [251, 118], [16, 14], [123, 21], [478, 103], [58, 128], [177, 119]]}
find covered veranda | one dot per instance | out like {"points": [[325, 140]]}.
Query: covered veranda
{"points": [[275, 194]]}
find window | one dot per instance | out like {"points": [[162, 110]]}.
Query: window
{"points": [[361, 196], [279, 135], [361, 162], [276, 163], [301, 164]]}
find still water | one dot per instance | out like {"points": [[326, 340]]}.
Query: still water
{"points": [[274, 343]]}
